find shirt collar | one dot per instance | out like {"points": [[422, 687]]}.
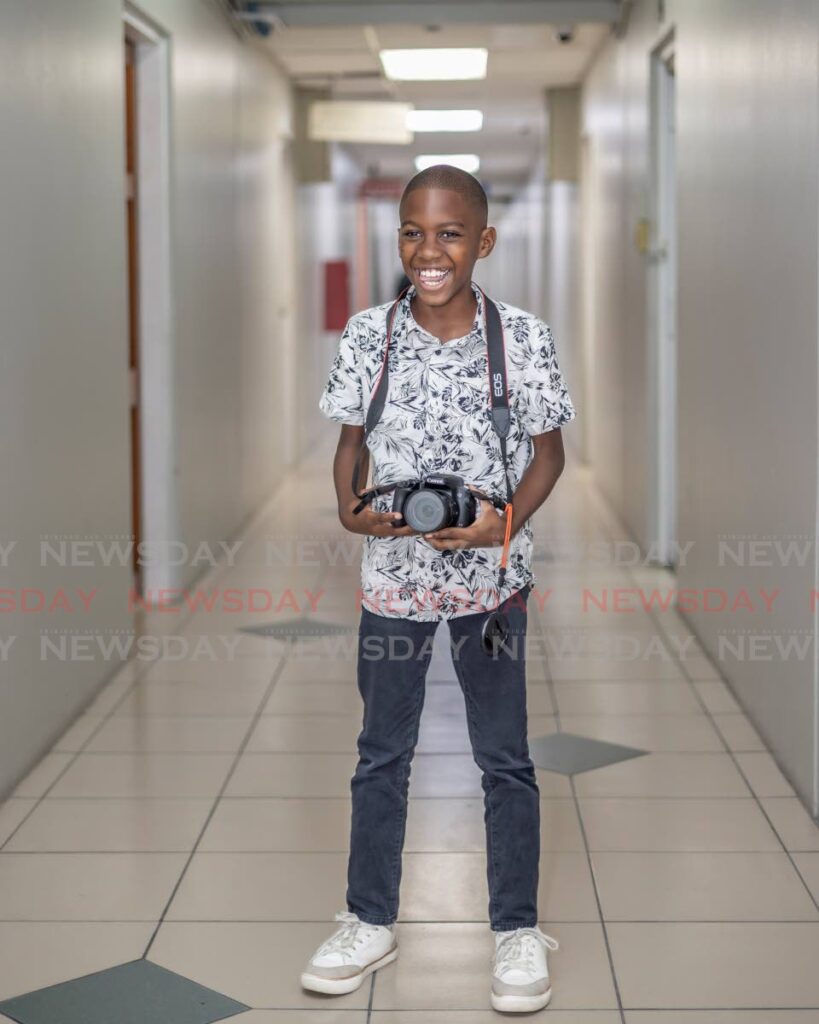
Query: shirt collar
{"points": [[420, 338]]}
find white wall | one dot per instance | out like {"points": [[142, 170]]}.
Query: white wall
{"points": [[64, 442], [748, 158]]}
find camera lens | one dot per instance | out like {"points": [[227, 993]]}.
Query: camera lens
{"points": [[426, 510]]}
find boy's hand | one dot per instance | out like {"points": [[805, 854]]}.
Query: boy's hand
{"points": [[372, 523], [487, 531]]}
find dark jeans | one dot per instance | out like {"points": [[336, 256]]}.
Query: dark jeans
{"points": [[494, 688]]}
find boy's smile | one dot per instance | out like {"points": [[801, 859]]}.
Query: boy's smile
{"points": [[441, 237]]}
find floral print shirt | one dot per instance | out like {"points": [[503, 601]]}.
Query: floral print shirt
{"points": [[437, 418]]}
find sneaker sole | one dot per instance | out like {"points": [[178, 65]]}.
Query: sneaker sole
{"points": [[340, 986], [519, 1004]]}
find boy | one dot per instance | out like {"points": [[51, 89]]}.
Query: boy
{"points": [[437, 419]]}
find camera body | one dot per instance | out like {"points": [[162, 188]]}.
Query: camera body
{"points": [[438, 501]]}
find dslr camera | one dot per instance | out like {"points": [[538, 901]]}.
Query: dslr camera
{"points": [[438, 501]]}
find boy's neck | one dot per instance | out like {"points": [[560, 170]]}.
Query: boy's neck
{"points": [[452, 320]]}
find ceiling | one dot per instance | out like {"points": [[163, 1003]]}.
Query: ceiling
{"points": [[525, 59]]}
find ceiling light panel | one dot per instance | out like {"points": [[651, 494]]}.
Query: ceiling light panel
{"points": [[440, 64]]}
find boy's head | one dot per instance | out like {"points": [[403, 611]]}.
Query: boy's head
{"points": [[443, 231]]}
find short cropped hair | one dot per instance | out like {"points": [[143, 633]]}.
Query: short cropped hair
{"points": [[454, 180]]}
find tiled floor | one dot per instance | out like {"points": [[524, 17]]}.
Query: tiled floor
{"points": [[198, 812]]}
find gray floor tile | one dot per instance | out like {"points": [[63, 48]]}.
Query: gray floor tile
{"points": [[270, 823], [138, 992], [762, 773], [301, 775], [256, 962], [491, 1017], [38, 953], [204, 734], [570, 754], [626, 698], [12, 812]]}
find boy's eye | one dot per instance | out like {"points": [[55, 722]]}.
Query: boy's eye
{"points": [[450, 234]]}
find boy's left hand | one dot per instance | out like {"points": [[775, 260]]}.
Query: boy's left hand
{"points": [[486, 532]]}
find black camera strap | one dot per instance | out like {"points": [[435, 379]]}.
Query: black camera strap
{"points": [[499, 401]]}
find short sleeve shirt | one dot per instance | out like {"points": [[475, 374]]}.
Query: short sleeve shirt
{"points": [[437, 419]]}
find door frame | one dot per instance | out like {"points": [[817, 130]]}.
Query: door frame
{"points": [[662, 304], [158, 448]]}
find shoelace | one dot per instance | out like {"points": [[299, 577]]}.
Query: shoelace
{"points": [[345, 939], [516, 952]]}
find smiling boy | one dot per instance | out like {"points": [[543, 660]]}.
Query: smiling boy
{"points": [[437, 419]]}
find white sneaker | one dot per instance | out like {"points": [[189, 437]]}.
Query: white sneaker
{"points": [[354, 951], [520, 974]]}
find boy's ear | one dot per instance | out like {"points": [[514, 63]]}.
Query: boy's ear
{"points": [[487, 242]]}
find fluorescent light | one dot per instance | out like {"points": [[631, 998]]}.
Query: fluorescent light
{"points": [[359, 121], [466, 161], [445, 120], [434, 65]]}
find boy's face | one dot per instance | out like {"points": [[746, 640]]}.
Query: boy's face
{"points": [[440, 239]]}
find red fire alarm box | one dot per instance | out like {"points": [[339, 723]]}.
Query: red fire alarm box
{"points": [[336, 294]]}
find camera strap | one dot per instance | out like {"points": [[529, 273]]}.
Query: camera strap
{"points": [[499, 405]]}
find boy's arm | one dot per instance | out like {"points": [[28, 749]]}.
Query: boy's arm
{"points": [[376, 524], [539, 477]]}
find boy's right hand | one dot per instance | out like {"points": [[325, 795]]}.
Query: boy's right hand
{"points": [[372, 523]]}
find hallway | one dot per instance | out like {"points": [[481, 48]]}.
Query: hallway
{"points": [[199, 195], [198, 812]]}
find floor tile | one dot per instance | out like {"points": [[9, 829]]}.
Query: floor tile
{"points": [[625, 698], [261, 887], [256, 962], [649, 732], [146, 734], [701, 887], [36, 954], [77, 734], [112, 825], [676, 825], [12, 812], [763, 774], [221, 670], [716, 696], [305, 734], [759, 965], [453, 775], [139, 991], [303, 775], [808, 866], [302, 1017], [308, 698], [602, 668], [448, 734], [738, 732], [86, 886], [42, 775], [458, 826], [490, 1017], [449, 700], [306, 669], [144, 775], [569, 754], [248, 824], [795, 827], [453, 887], [453, 961], [228, 696], [666, 775], [722, 1017]]}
